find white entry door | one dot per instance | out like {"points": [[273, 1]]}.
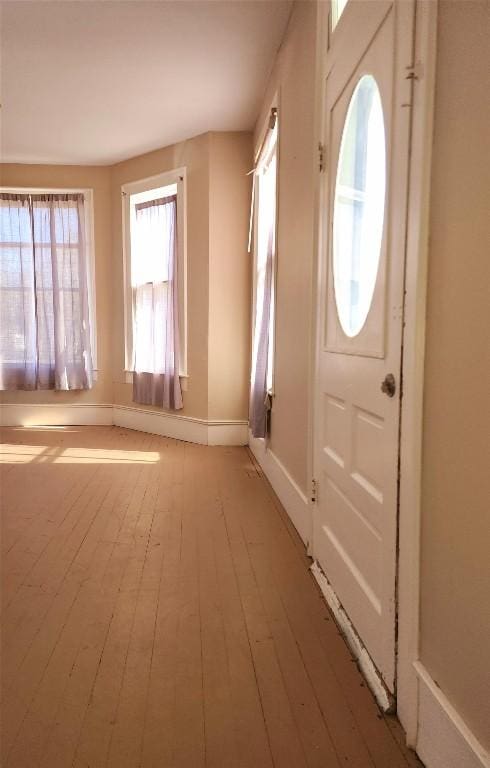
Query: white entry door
{"points": [[358, 382]]}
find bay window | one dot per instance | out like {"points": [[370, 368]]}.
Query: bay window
{"points": [[46, 290]]}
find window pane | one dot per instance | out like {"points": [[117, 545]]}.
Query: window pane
{"points": [[359, 206], [153, 231], [150, 243], [337, 11], [44, 322]]}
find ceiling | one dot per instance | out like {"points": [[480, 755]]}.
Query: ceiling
{"points": [[97, 82]]}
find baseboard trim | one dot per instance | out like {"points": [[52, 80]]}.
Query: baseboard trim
{"points": [[443, 739], [184, 428], [290, 494], [227, 432], [54, 414], [384, 698]]}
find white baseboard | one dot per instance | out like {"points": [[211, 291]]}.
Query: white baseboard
{"points": [[366, 664], [168, 424], [54, 414], [290, 494], [181, 427], [228, 433], [443, 739]]}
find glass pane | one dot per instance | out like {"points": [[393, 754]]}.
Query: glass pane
{"points": [[152, 240], [337, 11], [359, 206]]}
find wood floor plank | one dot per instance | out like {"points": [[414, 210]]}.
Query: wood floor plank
{"points": [[251, 738], [220, 744], [316, 739], [162, 615], [34, 600], [189, 743], [43, 652], [100, 719], [64, 736], [91, 559], [127, 734], [284, 740], [383, 749], [317, 743], [284, 568], [40, 513], [159, 734]]}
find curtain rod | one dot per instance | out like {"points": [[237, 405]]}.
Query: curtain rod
{"points": [[270, 127]]}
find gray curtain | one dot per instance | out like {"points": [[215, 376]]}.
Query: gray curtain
{"points": [[260, 400], [44, 307], [156, 379]]}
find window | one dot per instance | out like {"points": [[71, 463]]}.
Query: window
{"points": [[47, 322], [359, 206], [265, 194], [154, 222], [338, 7]]}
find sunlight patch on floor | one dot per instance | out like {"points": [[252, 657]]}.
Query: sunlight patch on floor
{"points": [[105, 456], [20, 454], [23, 454]]}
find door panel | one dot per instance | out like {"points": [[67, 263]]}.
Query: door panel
{"points": [[356, 434]]}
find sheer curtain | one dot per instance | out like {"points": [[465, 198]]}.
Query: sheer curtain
{"points": [[44, 308], [156, 378], [262, 351]]}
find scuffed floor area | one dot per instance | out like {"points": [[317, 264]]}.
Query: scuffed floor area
{"points": [[158, 611]]}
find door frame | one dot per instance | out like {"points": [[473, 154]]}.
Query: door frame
{"points": [[422, 72]]}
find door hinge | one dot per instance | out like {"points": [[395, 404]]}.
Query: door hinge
{"points": [[314, 491], [415, 71], [321, 157]]}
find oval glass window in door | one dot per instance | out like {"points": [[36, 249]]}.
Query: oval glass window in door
{"points": [[359, 204]]}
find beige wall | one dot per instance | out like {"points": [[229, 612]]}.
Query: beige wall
{"points": [[455, 575], [293, 78], [229, 275], [98, 179]]}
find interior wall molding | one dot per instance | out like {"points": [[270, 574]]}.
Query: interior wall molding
{"points": [[213, 432], [444, 740], [55, 414], [294, 501], [187, 428]]}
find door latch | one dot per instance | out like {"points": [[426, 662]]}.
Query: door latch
{"points": [[388, 385], [321, 157], [314, 491]]}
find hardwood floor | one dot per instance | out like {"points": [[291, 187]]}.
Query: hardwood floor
{"points": [[158, 611]]}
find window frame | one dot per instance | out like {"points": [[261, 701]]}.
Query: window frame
{"points": [[176, 176], [88, 196]]}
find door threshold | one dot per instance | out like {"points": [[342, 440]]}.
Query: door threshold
{"points": [[385, 699]]}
